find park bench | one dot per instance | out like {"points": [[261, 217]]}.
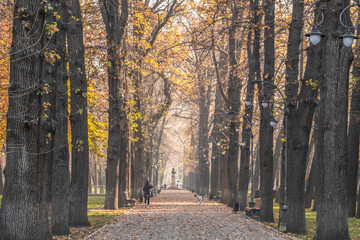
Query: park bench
{"points": [[254, 212], [130, 201]]}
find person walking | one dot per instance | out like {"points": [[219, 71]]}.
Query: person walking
{"points": [[146, 191]]}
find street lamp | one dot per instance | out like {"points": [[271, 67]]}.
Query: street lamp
{"points": [[283, 223], [273, 122], [248, 102], [265, 104], [315, 35]]}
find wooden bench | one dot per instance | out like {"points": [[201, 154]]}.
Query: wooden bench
{"points": [[130, 201], [254, 212]]}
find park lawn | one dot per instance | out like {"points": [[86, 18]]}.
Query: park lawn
{"points": [[354, 225], [97, 218], [95, 201]]}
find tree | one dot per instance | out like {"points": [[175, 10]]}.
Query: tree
{"points": [[234, 104], [332, 220], [20, 212], [78, 118], [353, 139], [60, 168], [253, 48], [115, 28], [266, 131]]}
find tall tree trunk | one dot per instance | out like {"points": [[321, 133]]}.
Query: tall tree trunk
{"points": [[353, 140], [216, 136], [60, 170], [332, 218], [115, 24], [47, 120], [257, 168], [124, 165], [234, 106], [247, 135], [1, 179], [139, 164], [78, 119], [157, 151], [266, 131], [277, 153], [296, 164], [203, 151], [20, 213], [310, 187], [125, 161]]}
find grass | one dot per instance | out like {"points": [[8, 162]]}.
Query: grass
{"points": [[354, 225], [97, 218], [95, 201]]}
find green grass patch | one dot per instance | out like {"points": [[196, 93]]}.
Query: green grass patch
{"points": [[0, 199], [354, 225], [95, 201], [97, 218]]}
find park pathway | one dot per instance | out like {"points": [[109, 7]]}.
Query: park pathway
{"points": [[174, 214]]}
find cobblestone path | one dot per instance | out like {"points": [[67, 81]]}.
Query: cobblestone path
{"points": [[174, 214]]}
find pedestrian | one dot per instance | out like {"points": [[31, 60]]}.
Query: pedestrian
{"points": [[146, 191]]}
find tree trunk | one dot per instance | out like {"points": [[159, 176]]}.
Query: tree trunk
{"points": [[353, 141], [78, 119], [234, 90], [216, 136], [277, 153], [266, 131], [247, 135], [332, 219], [60, 170], [1, 179], [47, 121], [20, 213], [310, 187], [203, 151], [124, 165], [257, 168], [115, 25]]}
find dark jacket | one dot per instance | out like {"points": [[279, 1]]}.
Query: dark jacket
{"points": [[147, 188]]}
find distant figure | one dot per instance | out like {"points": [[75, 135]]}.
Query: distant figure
{"points": [[164, 185], [146, 191]]}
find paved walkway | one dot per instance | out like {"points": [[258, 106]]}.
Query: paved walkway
{"points": [[174, 214]]}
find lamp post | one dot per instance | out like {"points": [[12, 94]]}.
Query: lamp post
{"points": [[315, 35], [283, 223]]}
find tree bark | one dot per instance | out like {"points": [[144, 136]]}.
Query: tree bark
{"points": [[78, 118], [115, 24], [266, 131], [234, 89], [1, 180], [332, 219], [216, 136], [353, 141], [310, 187], [203, 151], [60, 170], [20, 213], [247, 135]]}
